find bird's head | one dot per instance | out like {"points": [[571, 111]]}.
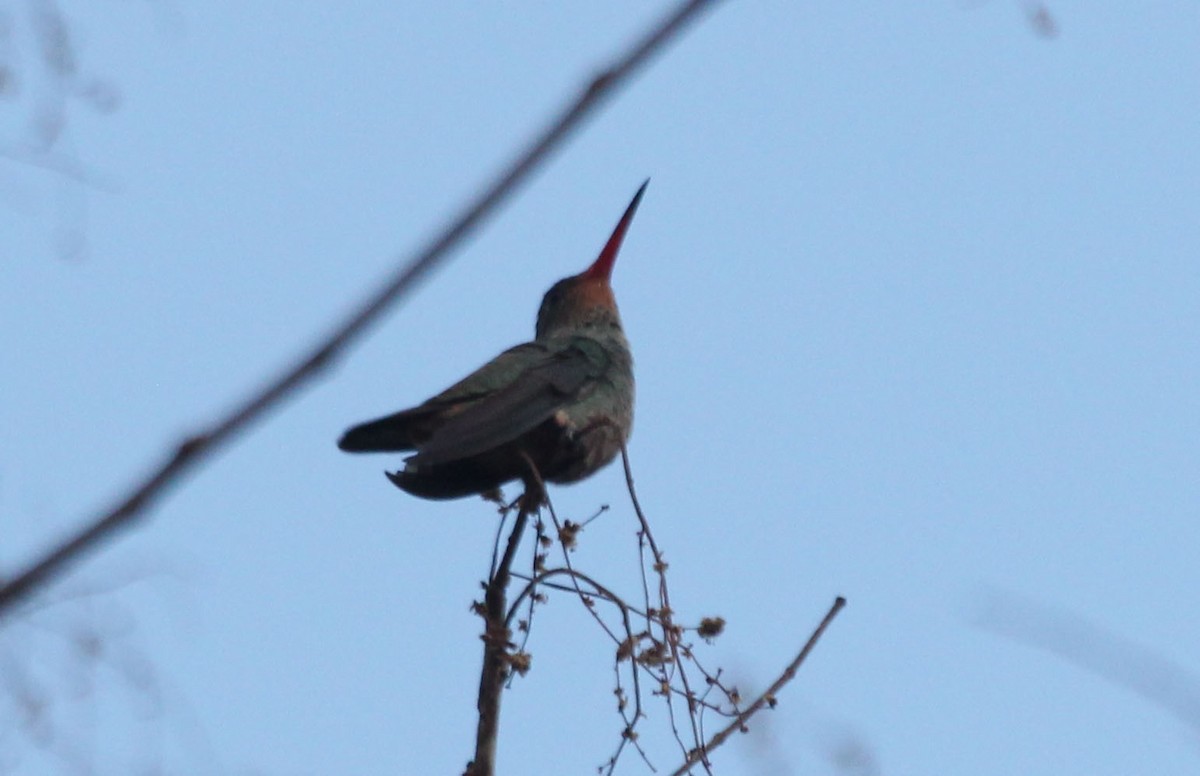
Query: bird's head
{"points": [[586, 300]]}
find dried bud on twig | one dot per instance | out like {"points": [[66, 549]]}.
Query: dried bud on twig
{"points": [[711, 627], [569, 534], [520, 662]]}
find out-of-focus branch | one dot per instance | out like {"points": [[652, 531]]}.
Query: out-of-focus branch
{"points": [[700, 755], [1118, 660], [201, 445]]}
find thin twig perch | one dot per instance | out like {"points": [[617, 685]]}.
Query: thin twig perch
{"points": [[496, 644]]}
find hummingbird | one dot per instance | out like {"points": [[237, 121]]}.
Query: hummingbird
{"points": [[556, 409]]}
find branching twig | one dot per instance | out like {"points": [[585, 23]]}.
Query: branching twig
{"points": [[670, 631], [659, 649], [624, 646], [628, 733], [204, 443]]}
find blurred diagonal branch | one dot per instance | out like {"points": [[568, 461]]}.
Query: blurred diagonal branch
{"points": [[203, 444], [1120, 661]]}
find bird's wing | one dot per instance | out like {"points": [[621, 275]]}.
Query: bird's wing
{"points": [[500, 371], [553, 380], [406, 429]]}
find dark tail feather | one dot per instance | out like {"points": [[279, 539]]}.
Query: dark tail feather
{"points": [[393, 433]]}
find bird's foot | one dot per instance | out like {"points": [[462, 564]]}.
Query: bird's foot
{"points": [[533, 497]]}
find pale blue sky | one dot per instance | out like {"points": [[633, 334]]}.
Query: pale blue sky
{"points": [[914, 299]]}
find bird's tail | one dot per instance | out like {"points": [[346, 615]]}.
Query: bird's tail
{"points": [[390, 434]]}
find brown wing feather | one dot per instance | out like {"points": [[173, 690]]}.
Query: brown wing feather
{"points": [[506, 414], [407, 429]]}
